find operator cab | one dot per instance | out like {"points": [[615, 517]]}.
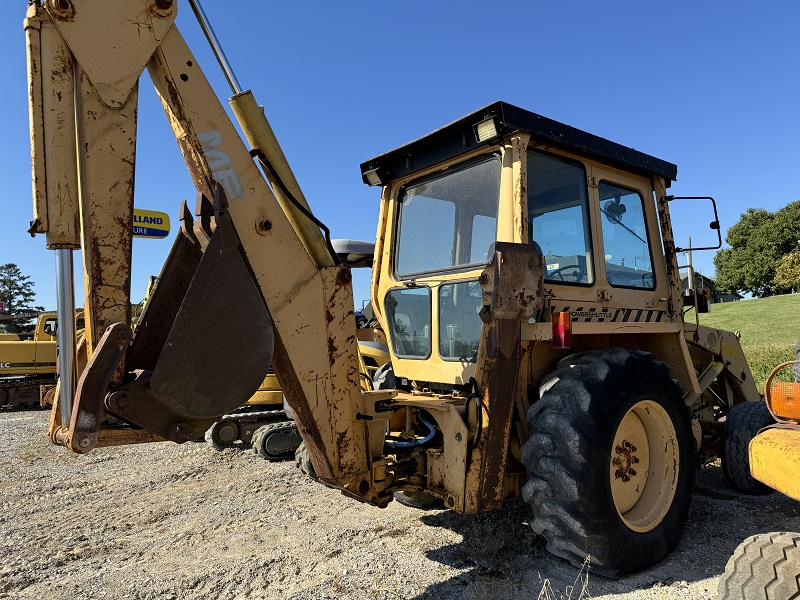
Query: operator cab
{"points": [[506, 174]]}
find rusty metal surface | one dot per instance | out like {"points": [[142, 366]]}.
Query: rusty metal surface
{"points": [[33, 26], [218, 348], [107, 154], [312, 308], [511, 287], [204, 210], [127, 31], [512, 284], [161, 309], [499, 381], [88, 407], [674, 303]]}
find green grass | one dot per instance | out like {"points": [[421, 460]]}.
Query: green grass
{"points": [[768, 328]]}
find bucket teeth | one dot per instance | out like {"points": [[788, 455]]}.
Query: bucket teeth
{"points": [[187, 223], [204, 210]]}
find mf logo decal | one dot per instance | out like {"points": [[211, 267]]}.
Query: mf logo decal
{"points": [[220, 164], [613, 315]]}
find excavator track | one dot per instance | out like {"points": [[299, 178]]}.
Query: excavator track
{"points": [[22, 392], [277, 441], [241, 427]]}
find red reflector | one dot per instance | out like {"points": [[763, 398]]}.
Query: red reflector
{"points": [[562, 334]]}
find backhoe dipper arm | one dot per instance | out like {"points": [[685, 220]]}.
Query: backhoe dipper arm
{"points": [[242, 255]]}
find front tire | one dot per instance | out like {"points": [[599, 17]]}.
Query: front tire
{"points": [[766, 566], [741, 425], [611, 461]]}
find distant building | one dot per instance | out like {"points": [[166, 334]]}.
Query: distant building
{"points": [[716, 295]]}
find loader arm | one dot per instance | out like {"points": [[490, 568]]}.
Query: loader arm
{"points": [[245, 267]]}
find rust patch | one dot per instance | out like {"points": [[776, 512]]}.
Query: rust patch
{"points": [[343, 278], [304, 416], [332, 350], [62, 10], [195, 165]]}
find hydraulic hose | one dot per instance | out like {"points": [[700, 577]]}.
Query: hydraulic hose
{"points": [[407, 444]]}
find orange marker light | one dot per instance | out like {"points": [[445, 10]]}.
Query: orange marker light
{"points": [[562, 330], [785, 400]]}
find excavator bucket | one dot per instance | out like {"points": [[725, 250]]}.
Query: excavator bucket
{"points": [[203, 346]]}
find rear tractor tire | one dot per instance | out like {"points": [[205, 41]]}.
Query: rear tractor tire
{"points": [[741, 425], [765, 566], [611, 461]]}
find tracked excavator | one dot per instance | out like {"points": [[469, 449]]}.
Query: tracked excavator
{"points": [[525, 276]]}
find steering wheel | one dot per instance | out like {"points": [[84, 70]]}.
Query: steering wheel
{"points": [[576, 277]]}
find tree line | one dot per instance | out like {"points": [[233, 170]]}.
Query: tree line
{"points": [[764, 254]]}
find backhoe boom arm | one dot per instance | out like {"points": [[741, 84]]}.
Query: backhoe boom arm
{"points": [[245, 266]]}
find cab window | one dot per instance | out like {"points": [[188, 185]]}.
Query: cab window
{"points": [[51, 327], [628, 260], [408, 312], [558, 217], [449, 220]]}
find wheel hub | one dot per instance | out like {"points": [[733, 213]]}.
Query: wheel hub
{"points": [[624, 461], [643, 466]]}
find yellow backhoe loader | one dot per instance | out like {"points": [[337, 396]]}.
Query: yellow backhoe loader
{"points": [[525, 276]]}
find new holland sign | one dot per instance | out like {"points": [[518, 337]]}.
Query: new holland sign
{"points": [[150, 224]]}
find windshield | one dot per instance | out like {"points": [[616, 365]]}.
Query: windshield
{"points": [[449, 220]]}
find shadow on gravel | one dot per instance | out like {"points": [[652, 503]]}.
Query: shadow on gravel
{"points": [[500, 556]]}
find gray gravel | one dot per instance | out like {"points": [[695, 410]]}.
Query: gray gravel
{"points": [[167, 521]]}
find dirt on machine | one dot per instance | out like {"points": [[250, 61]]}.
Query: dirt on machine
{"points": [[525, 276], [28, 362]]}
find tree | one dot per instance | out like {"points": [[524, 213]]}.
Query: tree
{"points": [[787, 275], [758, 242], [16, 292]]}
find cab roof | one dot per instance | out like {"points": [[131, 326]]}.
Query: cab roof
{"points": [[460, 136]]}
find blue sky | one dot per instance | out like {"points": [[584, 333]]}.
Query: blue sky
{"points": [[711, 86]]}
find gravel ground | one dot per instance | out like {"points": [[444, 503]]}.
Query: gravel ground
{"points": [[167, 521]]}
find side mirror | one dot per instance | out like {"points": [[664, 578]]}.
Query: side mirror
{"points": [[713, 225]]}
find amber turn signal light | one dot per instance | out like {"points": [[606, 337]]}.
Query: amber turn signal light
{"points": [[785, 400]]}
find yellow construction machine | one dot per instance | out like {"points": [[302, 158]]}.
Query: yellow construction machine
{"points": [[525, 277], [28, 362], [767, 565]]}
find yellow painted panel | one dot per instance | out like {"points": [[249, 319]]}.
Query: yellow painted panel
{"points": [[775, 459]]}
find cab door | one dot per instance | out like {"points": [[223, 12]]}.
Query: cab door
{"points": [[631, 272], [560, 223]]}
